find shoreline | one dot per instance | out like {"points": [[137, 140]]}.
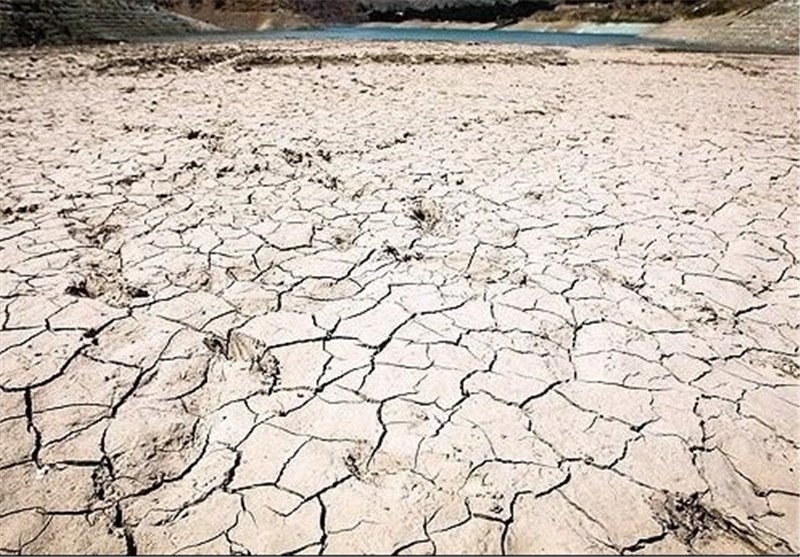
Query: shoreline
{"points": [[651, 39], [564, 26]]}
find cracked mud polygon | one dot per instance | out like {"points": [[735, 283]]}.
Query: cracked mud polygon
{"points": [[321, 298]]}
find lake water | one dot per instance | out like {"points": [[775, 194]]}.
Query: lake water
{"points": [[378, 33]]}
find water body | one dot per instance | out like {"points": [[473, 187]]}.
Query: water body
{"points": [[389, 33]]}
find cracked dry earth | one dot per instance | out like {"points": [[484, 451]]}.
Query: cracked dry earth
{"points": [[321, 298]]}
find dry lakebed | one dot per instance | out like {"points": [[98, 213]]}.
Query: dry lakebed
{"points": [[320, 297]]}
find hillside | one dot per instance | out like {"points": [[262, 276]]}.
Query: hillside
{"points": [[265, 14], [26, 22], [775, 27], [550, 10]]}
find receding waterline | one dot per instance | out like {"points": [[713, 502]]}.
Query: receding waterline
{"points": [[425, 34]]}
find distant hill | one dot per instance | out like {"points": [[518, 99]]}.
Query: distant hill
{"points": [[263, 14], [483, 11], [549, 10]]}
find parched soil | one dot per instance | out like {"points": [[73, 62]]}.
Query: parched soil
{"points": [[334, 298]]}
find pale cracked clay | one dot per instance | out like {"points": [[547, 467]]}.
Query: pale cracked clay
{"points": [[334, 298]]}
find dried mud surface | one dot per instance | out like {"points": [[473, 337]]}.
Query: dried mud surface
{"points": [[321, 298]]}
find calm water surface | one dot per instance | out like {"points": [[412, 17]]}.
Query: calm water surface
{"points": [[369, 33]]}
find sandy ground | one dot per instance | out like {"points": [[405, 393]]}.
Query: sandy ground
{"points": [[343, 298]]}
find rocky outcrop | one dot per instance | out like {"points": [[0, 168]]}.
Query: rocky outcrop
{"points": [[27, 22], [265, 14], [774, 28], [237, 14]]}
